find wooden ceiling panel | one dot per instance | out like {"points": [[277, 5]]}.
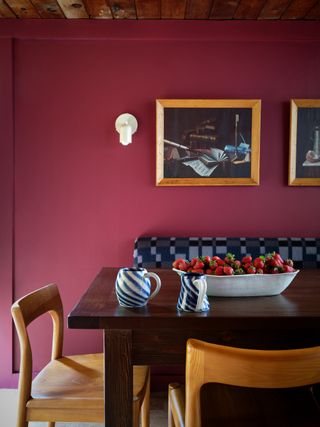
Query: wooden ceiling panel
{"points": [[162, 9], [23, 9], [273, 9], [224, 9], [123, 9], [314, 13], [5, 11], [73, 9], [173, 9], [198, 9], [298, 9], [249, 9], [48, 9], [148, 9], [98, 9]]}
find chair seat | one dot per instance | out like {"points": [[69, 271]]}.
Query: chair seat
{"points": [[75, 382]]}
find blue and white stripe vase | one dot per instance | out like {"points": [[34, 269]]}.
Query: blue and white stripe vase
{"points": [[133, 287], [193, 293]]}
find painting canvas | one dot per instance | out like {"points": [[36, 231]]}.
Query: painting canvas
{"points": [[208, 142], [304, 158]]}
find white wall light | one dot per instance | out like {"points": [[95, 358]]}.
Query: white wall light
{"points": [[126, 125]]}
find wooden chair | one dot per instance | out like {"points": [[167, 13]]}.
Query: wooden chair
{"points": [[252, 371], [68, 389]]}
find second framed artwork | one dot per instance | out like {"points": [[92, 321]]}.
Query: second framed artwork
{"points": [[208, 142]]}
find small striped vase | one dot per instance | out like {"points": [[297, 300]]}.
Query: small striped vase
{"points": [[133, 287], [193, 293]]}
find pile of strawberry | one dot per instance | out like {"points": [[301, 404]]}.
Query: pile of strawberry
{"points": [[265, 264]]}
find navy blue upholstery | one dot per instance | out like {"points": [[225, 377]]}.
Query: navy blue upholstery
{"points": [[160, 252]]}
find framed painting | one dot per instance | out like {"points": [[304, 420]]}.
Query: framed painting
{"points": [[304, 152], [208, 142]]}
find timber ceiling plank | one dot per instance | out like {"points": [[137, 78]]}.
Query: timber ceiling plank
{"points": [[298, 9], [273, 9], [123, 9], [198, 9], [5, 11], [73, 9], [224, 9], [48, 9], [249, 9], [173, 9], [314, 12], [98, 9], [148, 9], [23, 9]]}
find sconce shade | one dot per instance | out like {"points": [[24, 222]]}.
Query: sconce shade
{"points": [[126, 125]]}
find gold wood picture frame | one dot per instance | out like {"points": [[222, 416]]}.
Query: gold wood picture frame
{"points": [[304, 152], [204, 142]]}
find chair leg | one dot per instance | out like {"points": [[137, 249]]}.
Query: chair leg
{"points": [[51, 424], [136, 412], [170, 416], [145, 408]]}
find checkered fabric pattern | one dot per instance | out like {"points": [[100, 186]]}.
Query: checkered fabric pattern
{"points": [[160, 252]]}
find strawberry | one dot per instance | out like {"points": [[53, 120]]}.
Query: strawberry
{"points": [[183, 265], [228, 271], [213, 264], [219, 271], [197, 270], [258, 263], [198, 265], [288, 269], [206, 259], [239, 271], [177, 262], [246, 259], [288, 262], [229, 258], [259, 271], [251, 270], [236, 264], [193, 261], [247, 265]]}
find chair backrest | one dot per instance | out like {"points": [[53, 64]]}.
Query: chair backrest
{"points": [[24, 311], [211, 363]]}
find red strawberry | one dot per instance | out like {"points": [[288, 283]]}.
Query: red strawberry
{"points": [[219, 271], [259, 271], [239, 271], [246, 259], [288, 262], [194, 261], [197, 270], [177, 262], [288, 269], [247, 266], [236, 264], [251, 270], [228, 271], [183, 265], [198, 265], [258, 263], [206, 259], [229, 258]]}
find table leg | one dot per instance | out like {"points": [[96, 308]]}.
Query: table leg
{"points": [[118, 377]]}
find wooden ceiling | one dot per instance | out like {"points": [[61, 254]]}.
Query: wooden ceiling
{"points": [[162, 9]]}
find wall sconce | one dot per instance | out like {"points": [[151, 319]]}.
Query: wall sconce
{"points": [[126, 125]]}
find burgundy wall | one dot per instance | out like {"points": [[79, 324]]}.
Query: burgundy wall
{"points": [[80, 198]]}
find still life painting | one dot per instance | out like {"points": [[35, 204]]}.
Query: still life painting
{"points": [[208, 142], [304, 158]]}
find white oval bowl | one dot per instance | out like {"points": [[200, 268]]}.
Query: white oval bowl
{"points": [[247, 285]]}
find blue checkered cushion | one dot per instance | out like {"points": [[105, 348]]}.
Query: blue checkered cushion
{"points": [[160, 252]]}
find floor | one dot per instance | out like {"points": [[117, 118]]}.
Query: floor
{"points": [[8, 403]]}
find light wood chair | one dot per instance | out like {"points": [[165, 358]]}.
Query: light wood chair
{"points": [[68, 389], [251, 370]]}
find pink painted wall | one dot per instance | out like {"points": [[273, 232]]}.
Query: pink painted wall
{"points": [[80, 198]]}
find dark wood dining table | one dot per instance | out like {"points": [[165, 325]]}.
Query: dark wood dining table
{"points": [[157, 333]]}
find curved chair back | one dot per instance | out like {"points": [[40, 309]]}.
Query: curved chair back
{"points": [[24, 311], [211, 363]]}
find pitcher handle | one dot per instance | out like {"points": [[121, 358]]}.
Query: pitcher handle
{"points": [[202, 286], [158, 283]]}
